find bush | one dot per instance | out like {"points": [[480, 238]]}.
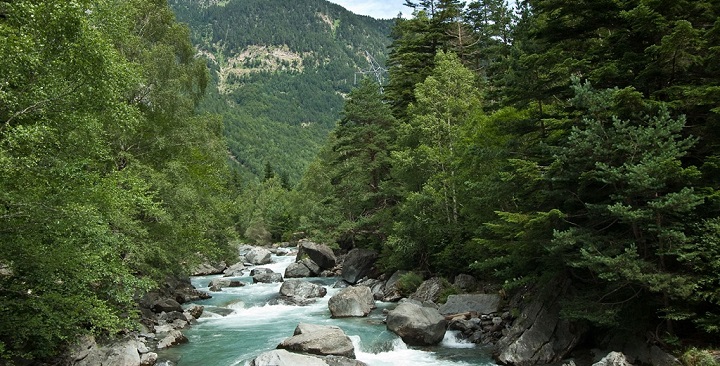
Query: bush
{"points": [[408, 283], [697, 357]]}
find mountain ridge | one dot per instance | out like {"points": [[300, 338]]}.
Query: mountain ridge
{"points": [[280, 71]]}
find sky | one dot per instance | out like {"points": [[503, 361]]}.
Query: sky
{"points": [[379, 9]]}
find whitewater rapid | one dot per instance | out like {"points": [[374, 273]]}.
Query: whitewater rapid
{"points": [[240, 323]]}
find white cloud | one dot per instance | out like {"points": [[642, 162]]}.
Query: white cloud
{"points": [[380, 9]]}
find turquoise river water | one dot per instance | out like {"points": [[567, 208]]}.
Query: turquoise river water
{"points": [[238, 324]]}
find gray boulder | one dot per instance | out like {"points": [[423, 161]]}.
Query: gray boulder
{"points": [[236, 270], [391, 291], [258, 255], [358, 264], [216, 284], [429, 290], [123, 355], [466, 282], [323, 340], [539, 336], [267, 278], [207, 269], [417, 325], [342, 361], [196, 311], [173, 338], [321, 254], [355, 301], [148, 359], [86, 352], [312, 266], [297, 270], [166, 305], [259, 270], [613, 359], [637, 350], [302, 290], [478, 303], [281, 357], [377, 287]]}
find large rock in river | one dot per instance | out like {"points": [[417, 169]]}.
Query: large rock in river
{"points": [[417, 325], [354, 301], [539, 336], [320, 254], [321, 340], [216, 284], [297, 270], [299, 292], [281, 357], [358, 264], [268, 277], [258, 255]]}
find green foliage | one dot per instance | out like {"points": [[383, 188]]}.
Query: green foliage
{"points": [[408, 283], [108, 181], [279, 72], [699, 357]]}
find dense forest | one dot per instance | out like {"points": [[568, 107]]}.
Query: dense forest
{"points": [[109, 181], [556, 139], [279, 72]]}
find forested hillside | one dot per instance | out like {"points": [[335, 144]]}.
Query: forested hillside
{"points": [[109, 181], [279, 72], [574, 140]]}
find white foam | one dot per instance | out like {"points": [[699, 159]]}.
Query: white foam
{"points": [[452, 340]]}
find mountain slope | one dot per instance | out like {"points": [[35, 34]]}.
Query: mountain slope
{"points": [[280, 70]]}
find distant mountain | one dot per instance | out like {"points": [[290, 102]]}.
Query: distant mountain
{"points": [[280, 69]]}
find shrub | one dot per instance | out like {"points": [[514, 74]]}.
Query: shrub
{"points": [[409, 283]]}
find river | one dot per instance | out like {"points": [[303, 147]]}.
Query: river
{"points": [[238, 324]]}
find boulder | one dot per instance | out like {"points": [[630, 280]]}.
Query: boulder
{"points": [[258, 255], [206, 269], [125, 354], [173, 338], [342, 361], [148, 359], [319, 340], [297, 270], [196, 311], [466, 282], [377, 287], [429, 290], [637, 350], [351, 302], [539, 336], [281, 357], [321, 254], [358, 264], [260, 270], [166, 305], [302, 290], [236, 270], [478, 303], [391, 293], [417, 325], [267, 278], [216, 284], [613, 359], [312, 266]]}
